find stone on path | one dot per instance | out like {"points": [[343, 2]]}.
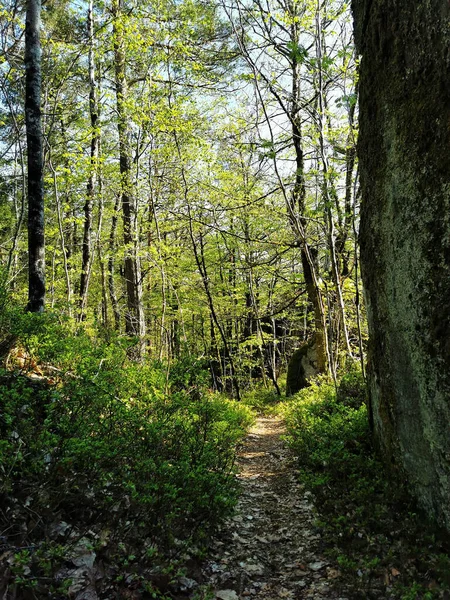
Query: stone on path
{"points": [[227, 595]]}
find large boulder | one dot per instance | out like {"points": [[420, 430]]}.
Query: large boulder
{"points": [[302, 368]]}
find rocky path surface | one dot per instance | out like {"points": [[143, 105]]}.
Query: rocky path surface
{"points": [[270, 548]]}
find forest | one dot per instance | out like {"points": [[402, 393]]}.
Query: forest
{"points": [[224, 314]]}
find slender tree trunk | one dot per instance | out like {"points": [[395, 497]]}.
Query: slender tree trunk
{"points": [[162, 325], [103, 277], [326, 184], [111, 265], [201, 264], [36, 239], [175, 342], [64, 251], [350, 159], [87, 255], [20, 212], [297, 208], [262, 345], [134, 318]]}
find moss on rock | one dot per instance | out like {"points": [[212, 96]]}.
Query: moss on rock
{"points": [[405, 235], [302, 366]]}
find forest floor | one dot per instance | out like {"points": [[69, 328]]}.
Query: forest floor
{"points": [[270, 549]]}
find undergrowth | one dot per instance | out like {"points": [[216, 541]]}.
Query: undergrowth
{"points": [[132, 462], [369, 523], [262, 400]]}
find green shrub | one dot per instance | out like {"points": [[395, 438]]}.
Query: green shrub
{"points": [[325, 431], [352, 390], [91, 447], [143, 451], [261, 399], [370, 527]]}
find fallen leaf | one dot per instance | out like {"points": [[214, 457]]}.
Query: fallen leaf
{"points": [[254, 569], [333, 573], [262, 539], [187, 584]]}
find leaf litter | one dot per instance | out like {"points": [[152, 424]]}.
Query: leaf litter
{"points": [[271, 548]]}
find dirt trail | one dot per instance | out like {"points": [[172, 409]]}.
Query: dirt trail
{"points": [[270, 548]]}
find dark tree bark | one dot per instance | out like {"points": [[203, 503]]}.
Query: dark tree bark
{"points": [[87, 254], [111, 266], [36, 240], [405, 235], [298, 208], [134, 318]]}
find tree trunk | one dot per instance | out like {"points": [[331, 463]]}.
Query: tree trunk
{"points": [[87, 254], [327, 192], [297, 211], [405, 235], [201, 265], [134, 318], [295, 199], [36, 241], [111, 266]]}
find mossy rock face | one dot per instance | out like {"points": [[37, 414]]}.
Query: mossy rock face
{"points": [[301, 368], [404, 163]]}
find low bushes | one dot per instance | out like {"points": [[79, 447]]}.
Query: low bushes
{"points": [[328, 432], [369, 524], [92, 442]]}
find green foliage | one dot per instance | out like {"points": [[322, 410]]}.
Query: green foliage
{"points": [[352, 390], [188, 372], [297, 52], [261, 399], [143, 450], [371, 528], [327, 429]]}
